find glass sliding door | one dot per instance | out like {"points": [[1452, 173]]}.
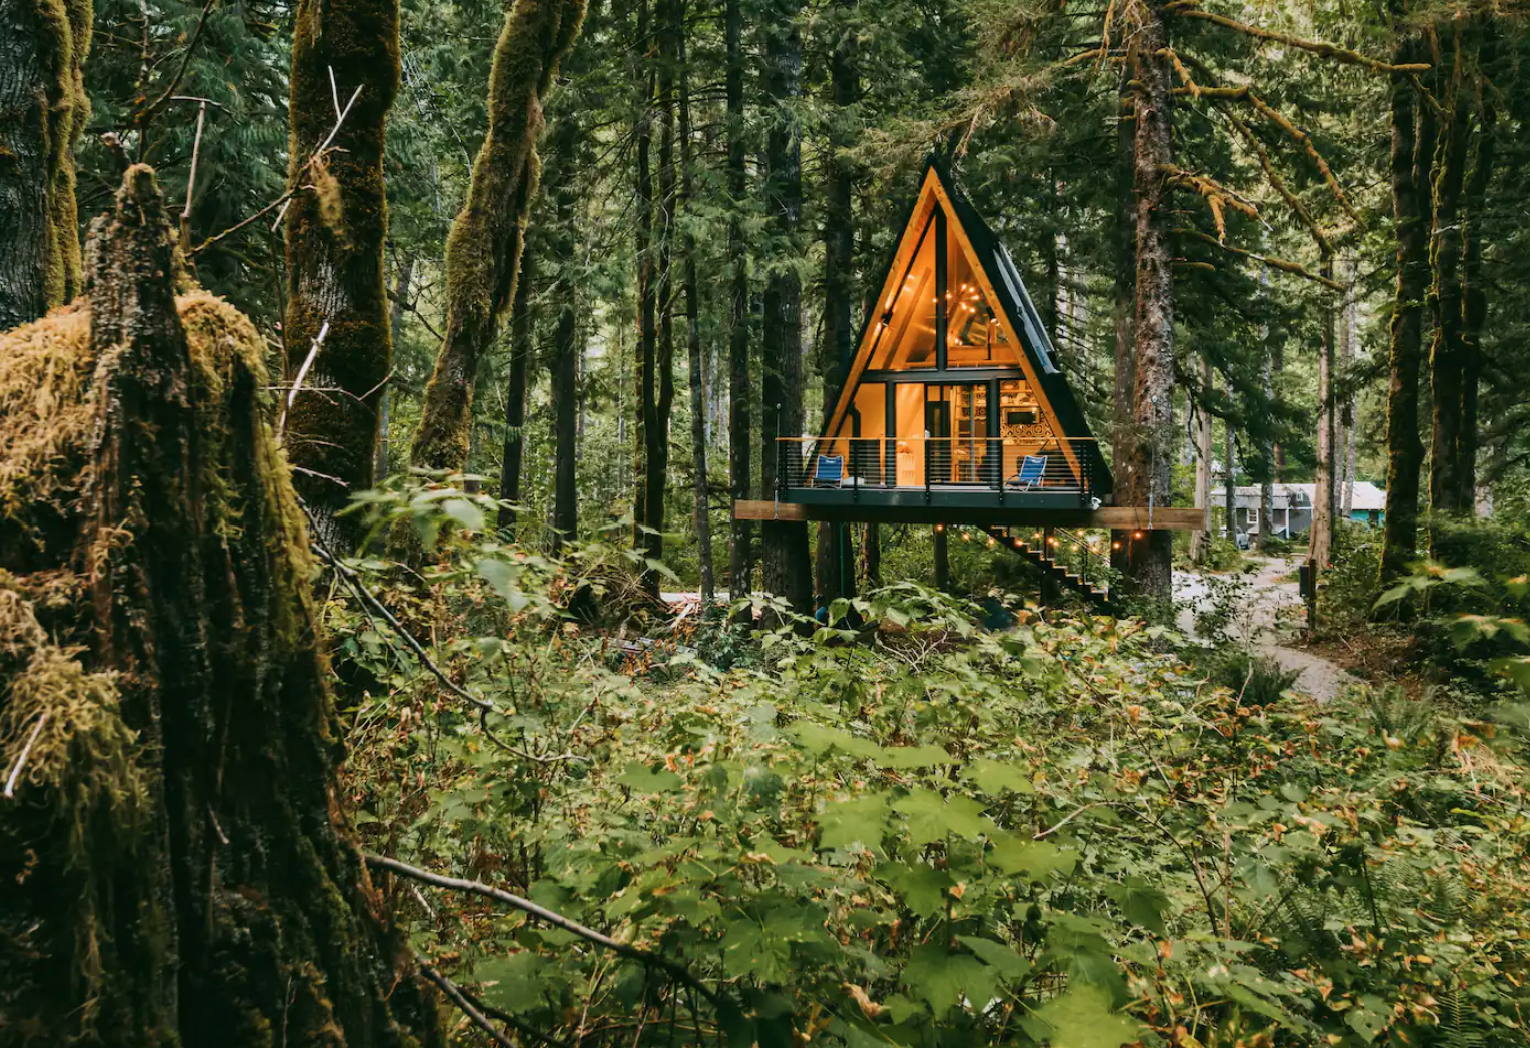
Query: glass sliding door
{"points": [[958, 449]]}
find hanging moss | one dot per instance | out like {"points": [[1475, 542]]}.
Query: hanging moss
{"points": [[185, 875]]}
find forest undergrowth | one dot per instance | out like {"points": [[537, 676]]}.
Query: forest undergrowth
{"points": [[904, 829]]}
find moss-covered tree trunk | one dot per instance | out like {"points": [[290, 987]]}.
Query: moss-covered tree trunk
{"points": [[740, 423], [1411, 149], [335, 233], [1148, 459], [1474, 287], [178, 868], [788, 567], [483, 252], [43, 108], [1445, 299]]}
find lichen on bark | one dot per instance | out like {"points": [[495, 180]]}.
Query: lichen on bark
{"points": [[182, 872], [483, 251]]}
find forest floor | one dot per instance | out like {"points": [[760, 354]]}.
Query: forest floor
{"points": [[1269, 623]]}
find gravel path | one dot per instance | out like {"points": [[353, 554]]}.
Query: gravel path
{"points": [[1261, 626]]}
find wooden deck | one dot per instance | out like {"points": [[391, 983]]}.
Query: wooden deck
{"points": [[1120, 518]]}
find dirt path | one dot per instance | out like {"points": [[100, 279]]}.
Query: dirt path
{"points": [[1262, 625]]}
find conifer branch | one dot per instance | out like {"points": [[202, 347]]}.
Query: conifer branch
{"points": [[1276, 182], [1274, 116], [1284, 265], [1317, 47]]}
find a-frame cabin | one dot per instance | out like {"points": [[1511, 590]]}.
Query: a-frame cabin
{"points": [[954, 407]]}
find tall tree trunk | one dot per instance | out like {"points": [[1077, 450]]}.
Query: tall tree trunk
{"points": [[1412, 147], [483, 253], [176, 699], [1267, 443], [400, 297], [740, 438], [1446, 355], [335, 233], [1473, 290], [1149, 455], [645, 357], [43, 109], [1349, 334], [1125, 249], [694, 359], [1230, 483], [1320, 538], [836, 577], [523, 330], [787, 562], [1200, 541], [568, 347]]}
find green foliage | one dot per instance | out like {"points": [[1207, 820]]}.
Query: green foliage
{"points": [[931, 833]]}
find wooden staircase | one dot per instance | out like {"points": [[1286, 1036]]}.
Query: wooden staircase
{"points": [[1052, 571]]}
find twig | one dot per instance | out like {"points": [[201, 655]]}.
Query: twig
{"points": [[297, 383], [557, 920], [285, 200], [191, 177], [1276, 263], [231, 230], [455, 995], [10, 782]]}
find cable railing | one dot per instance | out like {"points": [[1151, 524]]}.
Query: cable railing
{"points": [[1005, 465]]}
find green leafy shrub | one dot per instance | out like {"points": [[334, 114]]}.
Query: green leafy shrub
{"points": [[928, 833]]}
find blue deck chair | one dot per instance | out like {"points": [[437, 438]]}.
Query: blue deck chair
{"points": [[829, 471], [1031, 472]]}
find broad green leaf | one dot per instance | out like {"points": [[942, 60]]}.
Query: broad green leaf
{"points": [[993, 776], [911, 757], [1038, 859], [517, 980], [922, 888], [1001, 958], [860, 821], [1082, 1018], [931, 817], [1143, 904], [945, 980], [819, 739], [464, 513], [497, 574], [642, 779]]}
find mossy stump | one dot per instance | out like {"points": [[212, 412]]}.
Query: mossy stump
{"points": [[177, 869]]}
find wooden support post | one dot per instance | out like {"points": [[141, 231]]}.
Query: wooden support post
{"points": [[942, 560]]}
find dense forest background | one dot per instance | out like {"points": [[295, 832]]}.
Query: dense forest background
{"points": [[372, 373], [722, 185]]}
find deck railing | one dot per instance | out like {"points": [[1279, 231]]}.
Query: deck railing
{"points": [[1007, 465]]}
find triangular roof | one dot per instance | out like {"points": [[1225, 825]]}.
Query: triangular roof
{"points": [[1004, 289]]}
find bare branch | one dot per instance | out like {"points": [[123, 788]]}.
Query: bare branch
{"points": [[557, 920], [10, 782], [454, 994]]}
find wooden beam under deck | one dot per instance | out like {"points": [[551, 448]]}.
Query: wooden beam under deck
{"points": [[1122, 518]]}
